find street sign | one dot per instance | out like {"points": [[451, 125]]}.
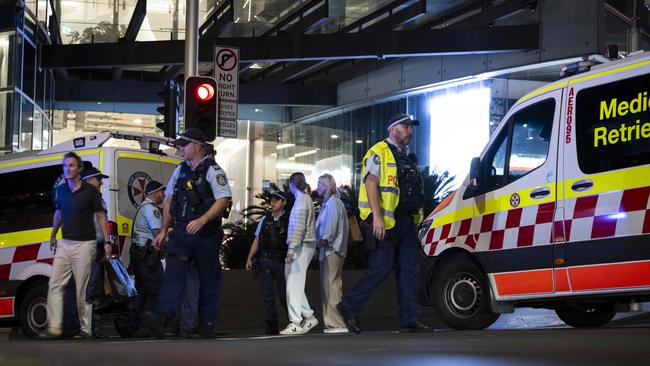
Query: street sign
{"points": [[226, 69]]}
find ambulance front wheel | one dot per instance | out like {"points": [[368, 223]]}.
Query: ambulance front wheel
{"points": [[462, 295], [586, 318], [33, 311]]}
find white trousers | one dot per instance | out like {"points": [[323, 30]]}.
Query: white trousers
{"points": [[296, 275], [72, 258]]}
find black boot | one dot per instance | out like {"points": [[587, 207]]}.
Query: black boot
{"points": [[351, 322], [204, 330], [272, 328], [156, 323]]}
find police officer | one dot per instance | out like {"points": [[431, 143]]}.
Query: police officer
{"points": [[197, 196], [269, 250], [145, 259], [391, 200]]}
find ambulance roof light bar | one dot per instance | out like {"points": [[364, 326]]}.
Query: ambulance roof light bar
{"points": [[147, 142], [577, 68]]}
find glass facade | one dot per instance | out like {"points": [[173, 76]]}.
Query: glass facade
{"points": [[26, 90], [106, 21]]}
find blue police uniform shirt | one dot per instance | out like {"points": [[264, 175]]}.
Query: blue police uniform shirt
{"points": [[215, 176], [260, 226], [146, 221]]}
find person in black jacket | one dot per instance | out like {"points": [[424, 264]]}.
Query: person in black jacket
{"points": [[269, 251]]}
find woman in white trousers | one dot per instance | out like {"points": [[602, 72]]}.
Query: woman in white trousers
{"points": [[301, 239]]}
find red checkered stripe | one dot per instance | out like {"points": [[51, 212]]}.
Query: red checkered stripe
{"points": [[518, 227], [590, 217], [620, 213], [14, 260]]}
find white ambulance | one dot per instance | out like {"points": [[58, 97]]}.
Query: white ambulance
{"points": [[27, 181], [555, 213]]}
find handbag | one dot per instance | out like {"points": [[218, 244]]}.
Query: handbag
{"points": [[355, 231], [122, 287]]}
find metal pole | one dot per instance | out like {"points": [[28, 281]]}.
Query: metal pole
{"points": [[191, 38], [635, 32]]}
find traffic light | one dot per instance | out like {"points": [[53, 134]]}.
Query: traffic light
{"points": [[201, 105], [169, 109]]}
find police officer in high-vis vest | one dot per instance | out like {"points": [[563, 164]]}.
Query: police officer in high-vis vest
{"points": [[197, 196], [391, 201]]}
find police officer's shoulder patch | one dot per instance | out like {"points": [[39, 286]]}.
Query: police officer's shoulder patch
{"points": [[156, 213], [376, 159], [221, 179]]}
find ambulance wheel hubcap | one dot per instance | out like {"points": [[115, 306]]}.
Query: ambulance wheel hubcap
{"points": [[464, 295], [38, 314]]}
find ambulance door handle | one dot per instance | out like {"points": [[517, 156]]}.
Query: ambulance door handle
{"points": [[540, 192], [582, 185]]}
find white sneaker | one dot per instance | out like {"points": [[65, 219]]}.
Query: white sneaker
{"points": [[293, 329], [333, 330], [309, 324]]}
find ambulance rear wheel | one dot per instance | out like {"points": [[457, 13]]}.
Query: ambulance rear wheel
{"points": [[462, 295], [586, 318], [33, 311]]}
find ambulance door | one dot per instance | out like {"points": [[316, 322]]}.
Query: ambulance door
{"points": [[515, 214], [606, 183], [134, 171]]}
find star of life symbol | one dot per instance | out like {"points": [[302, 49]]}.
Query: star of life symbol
{"points": [[515, 200]]}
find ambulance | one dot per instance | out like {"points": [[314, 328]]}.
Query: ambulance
{"points": [[555, 212], [27, 182]]}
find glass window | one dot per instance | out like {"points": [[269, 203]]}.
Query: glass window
{"points": [[15, 121], [27, 205], [5, 115], [5, 59], [18, 51], [37, 124], [29, 70], [613, 125], [531, 133], [46, 133], [26, 125], [495, 166]]}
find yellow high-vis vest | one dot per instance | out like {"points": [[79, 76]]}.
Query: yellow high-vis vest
{"points": [[388, 187]]}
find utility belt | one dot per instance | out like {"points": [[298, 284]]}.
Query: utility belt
{"points": [[183, 225], [146, 252], [272, 255]]}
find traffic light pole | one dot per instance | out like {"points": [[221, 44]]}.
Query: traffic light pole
{"points": [[191, 38]]}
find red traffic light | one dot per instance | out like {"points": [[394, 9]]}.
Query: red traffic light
{"points": [[204, 92]]}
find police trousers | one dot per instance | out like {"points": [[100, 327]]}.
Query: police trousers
{"points": [[147, 283], [272, 282], [398, 250], [182, 249]]}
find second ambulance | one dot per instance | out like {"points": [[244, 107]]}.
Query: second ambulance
{"points": [[555, 212]]}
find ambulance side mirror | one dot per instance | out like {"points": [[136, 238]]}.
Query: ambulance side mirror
{"points": [[474, 174]]}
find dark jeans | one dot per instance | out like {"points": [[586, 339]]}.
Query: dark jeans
{"points": [[271, 277], [70, 316], [398, 250], [147, 283], [182, 249]]}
